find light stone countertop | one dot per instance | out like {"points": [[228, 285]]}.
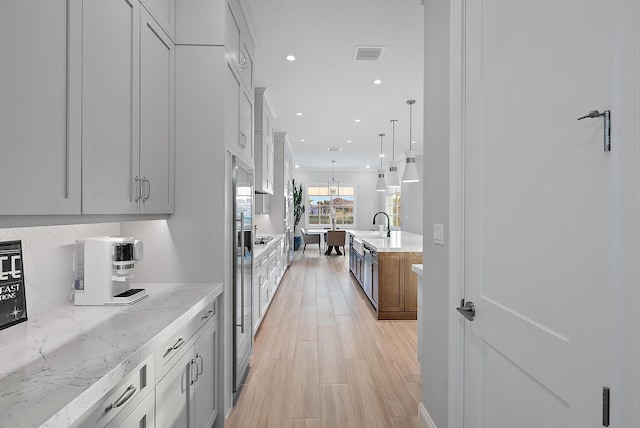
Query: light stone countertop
{"points": [[417, 269], [401, 242], [56, 365], [258, 249]]}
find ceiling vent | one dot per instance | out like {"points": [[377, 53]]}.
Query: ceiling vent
{"points": [[334, 149], [368, 53]]}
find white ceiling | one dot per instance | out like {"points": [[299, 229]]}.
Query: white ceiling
{"points": [[332, 90]]}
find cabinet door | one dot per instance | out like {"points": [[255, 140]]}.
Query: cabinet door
{"points": [[157, 117], [206, 385], [39, 111], [390, 291], [174, 396], [110, 106], [164, 11], [411, 281], [246, 126], [232, 111]]}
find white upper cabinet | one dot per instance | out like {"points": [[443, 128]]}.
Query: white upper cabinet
{"points": [[40, 107], [164, 12], [110, 106], [157, 118], [128, 113], [264, 150]]}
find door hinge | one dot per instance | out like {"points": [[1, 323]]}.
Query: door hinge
{"points": [[605, 406]]}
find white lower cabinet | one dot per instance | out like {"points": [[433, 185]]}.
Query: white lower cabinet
{"points": [[268, 271], [184, 374], [186, 396], [142, 417]]}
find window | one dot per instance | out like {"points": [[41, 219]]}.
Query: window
{"points": [[320, 206], [392, 208]]}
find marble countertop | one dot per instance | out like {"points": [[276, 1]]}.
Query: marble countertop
{"points": [[417, 269], [56, 365], [402, 242], [258, 249]]}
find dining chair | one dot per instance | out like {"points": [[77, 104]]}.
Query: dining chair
{"points": [[337, 238], [313, 238]]}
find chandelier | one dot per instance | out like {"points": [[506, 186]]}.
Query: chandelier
{"points": [[333, 186]]}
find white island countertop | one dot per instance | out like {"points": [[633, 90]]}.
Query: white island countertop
{"points": [[57, 364], [402, 242]]}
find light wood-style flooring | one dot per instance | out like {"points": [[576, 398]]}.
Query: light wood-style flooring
{"points": [[322, 360]]}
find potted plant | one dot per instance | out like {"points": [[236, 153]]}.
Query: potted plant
{"points": [[298, 210]]}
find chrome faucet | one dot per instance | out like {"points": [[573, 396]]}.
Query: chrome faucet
{"points": [[388, 223]]}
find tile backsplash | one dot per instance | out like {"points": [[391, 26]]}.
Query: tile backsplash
{"points": [[48, 261]]}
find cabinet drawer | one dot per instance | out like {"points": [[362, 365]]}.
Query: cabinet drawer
{"points": [[142, 416], [119, 402], [167, 354]]}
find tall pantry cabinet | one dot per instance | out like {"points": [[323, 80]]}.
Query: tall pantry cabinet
{"points": [[214, 121]]}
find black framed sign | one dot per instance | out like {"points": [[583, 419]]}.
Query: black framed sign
{"points": [[13, 303]]}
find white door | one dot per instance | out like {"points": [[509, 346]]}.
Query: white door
{"points": [[537, 213]]}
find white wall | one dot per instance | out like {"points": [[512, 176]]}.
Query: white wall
{"points": [[47, 260], [435, 388]]}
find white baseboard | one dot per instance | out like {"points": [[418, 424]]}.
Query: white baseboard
{"points": [[424, 419]]}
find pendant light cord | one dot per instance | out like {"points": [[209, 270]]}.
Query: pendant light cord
{"points": [[393, 138], [381, 135], [411, 103]]}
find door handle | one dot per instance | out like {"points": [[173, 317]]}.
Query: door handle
{"points": [[468, 310]]}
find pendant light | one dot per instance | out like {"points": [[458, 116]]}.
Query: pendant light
{"points": [[333, 186], [393, 180], [381, 186], [410, 171]]}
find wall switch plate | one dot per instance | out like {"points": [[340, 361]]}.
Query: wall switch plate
{"points": [[438, 234]]}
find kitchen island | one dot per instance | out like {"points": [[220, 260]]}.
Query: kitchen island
{"points": [[382, 267], [57, 366]]}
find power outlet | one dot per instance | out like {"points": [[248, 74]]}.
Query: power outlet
{"points": [[438, 234]]}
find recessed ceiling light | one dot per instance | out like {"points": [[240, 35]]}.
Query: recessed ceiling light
{"points": [[296, 166], [298, 114], [290, 58], [302, 140], [377, 82], [349, 141], [381, 155], [368, 166], [358, 120], [413, 142]]}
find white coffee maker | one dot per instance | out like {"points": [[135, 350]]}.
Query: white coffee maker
{"points": [[103, 269]]}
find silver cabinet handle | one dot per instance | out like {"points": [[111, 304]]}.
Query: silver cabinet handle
{"points": [[243, 140], [209, 313], [175, 346], [200, 366], [138, 188], [126, 395], [193, 363], [242, 243], [147, 188]]}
